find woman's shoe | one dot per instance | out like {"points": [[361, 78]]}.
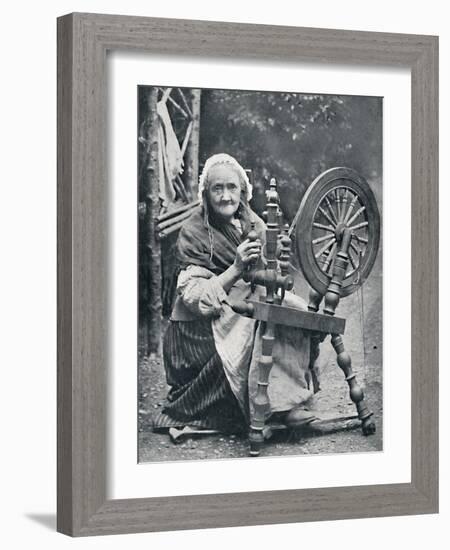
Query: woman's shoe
{"points": [[299, 418]]}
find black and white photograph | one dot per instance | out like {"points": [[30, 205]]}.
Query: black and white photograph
{"points": [[260, 274]]}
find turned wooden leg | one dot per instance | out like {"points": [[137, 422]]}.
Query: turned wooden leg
{"points": [[314, 300], [316, 339], [261, 405], [356, 393]]}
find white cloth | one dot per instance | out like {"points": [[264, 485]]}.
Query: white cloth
{"points": [[170, 158]]}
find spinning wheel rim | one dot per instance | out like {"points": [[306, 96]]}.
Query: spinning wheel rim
{"points": [[367, 210]]}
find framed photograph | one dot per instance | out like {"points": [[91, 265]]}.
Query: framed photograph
{"points": [[247, 274]]}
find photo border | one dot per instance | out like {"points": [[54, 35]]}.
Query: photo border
{"points": [[83, 42]]}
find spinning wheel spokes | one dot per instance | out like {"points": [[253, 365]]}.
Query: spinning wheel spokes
{"points": [[325, 215], [325, 247], [338, 200], [332, 229], [331, 209], [349, 210]]}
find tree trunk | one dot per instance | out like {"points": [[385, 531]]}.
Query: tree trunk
{"points": [[192, 151], [153, 248]]}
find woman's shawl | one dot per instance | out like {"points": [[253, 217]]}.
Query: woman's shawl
{"points": [[194, 241]]}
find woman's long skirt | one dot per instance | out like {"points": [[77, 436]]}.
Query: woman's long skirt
{"points": [[200, 394]]}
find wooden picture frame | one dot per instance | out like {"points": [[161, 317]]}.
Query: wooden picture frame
{"points": [[83, 41]]}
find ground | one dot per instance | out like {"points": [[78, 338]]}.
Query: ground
{"points": [[364, 343]]}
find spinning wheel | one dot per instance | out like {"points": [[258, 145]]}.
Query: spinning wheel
{"points": [[338, 232], [338, 201]]}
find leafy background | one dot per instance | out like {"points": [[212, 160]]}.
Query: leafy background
{"points": [[292, 137]]}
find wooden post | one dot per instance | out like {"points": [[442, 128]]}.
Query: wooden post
{"points": [[192, 150], [344, 361], [261, 402], [153, 248], [333, 294]]}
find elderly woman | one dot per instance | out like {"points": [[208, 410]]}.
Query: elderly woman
{"points": [[210, 352]]}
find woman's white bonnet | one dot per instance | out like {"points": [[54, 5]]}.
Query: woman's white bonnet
{"points": [[223, 158]]}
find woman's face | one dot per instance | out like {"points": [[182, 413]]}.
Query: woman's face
{"points": [[224, 190]]}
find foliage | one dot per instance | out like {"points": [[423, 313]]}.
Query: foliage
{"points": [[292, 137]]}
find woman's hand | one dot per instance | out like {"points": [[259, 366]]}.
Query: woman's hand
{"points": [[246, 253]]}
